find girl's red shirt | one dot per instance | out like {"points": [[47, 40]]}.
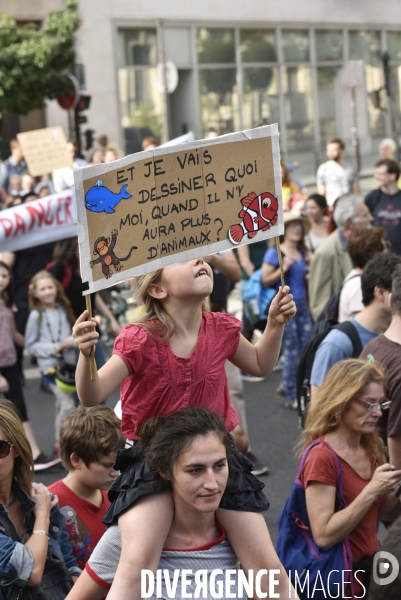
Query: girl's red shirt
{"points": [[160, 383]]}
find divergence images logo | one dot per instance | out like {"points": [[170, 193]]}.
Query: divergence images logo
{"points": [[381, 566]]}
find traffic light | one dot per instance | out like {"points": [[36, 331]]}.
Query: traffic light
{"points": [[82, 105], [88, 138]]}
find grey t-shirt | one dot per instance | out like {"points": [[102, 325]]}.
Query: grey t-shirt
{"points": [[104, 560]]}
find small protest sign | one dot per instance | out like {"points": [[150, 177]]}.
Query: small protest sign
{"points": [[39, 222], [172, 204], [45, 150]]}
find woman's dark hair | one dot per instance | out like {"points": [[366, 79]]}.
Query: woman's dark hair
{"points": [[8, 294], [320, 201], [68, 250], [378, 271], [164, 438]]}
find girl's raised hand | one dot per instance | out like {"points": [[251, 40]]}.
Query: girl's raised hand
{"points": [[283, 306], [84, 333]]}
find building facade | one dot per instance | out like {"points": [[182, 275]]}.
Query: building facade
{"points": [[315, 68]]}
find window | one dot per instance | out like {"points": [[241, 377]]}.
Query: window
{"points": [[295, 45], [219, 100], [298, 103], [394, 45], [260, 98], [215, 46], [329, 45], [257, 45], [141, 103], [365, 45], [137, 47]]}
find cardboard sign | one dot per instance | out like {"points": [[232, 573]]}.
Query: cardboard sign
{"points": [[39, 222], [45, 150], [173, 204]]}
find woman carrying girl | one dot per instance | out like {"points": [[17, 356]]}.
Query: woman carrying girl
{"points": [[174, 357], [48, 337], [10, 337], [299, 329], [192, 451]]}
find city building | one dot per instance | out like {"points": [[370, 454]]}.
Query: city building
{"points": [[315, 68]]}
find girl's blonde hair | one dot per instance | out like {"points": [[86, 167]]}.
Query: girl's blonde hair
{"points": [[11, 424], [345, 380], [61, 298], [156, 320]]}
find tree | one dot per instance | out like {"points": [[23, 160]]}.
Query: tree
{"points": [[34, 61]]}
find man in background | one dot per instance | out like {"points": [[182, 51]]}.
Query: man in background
{"points": [[14, 165], [63, 179], [385, 202], [335, 178], [331, 262]]}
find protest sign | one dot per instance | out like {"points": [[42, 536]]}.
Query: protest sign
{"points": [[48, 219], [45, 150], [177, 203]]}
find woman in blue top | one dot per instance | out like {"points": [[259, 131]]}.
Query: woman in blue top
{"points": [[295, 263]]}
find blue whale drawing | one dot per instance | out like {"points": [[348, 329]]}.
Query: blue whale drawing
{"points": [[100, 199]]}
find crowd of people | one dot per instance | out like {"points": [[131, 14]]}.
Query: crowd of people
{"points": [[176, 481]]}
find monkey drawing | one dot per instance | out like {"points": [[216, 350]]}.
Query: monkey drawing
{"points": [[105, 249]]}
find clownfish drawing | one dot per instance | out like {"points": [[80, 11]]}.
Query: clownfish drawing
{"points": [[259, 213]]}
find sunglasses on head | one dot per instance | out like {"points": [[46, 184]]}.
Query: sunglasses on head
{"points": [[5, 448]]}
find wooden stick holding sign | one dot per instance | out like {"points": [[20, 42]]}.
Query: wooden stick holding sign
{"points": [[280, 260], [92, 354]]}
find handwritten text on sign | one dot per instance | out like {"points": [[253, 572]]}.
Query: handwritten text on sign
{"points": [[154, 208]]}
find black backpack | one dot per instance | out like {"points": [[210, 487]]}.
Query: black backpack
{"points": [[330, 311], [307, 358]]}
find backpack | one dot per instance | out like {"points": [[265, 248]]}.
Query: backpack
{"points": [[331, 310], [306, 360], [257, 299], [305, 563]]}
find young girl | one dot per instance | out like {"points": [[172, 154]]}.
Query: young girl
{"points": [[174, 357], [9, 336], [48, 337]]}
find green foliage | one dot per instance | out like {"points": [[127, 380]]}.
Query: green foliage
{"points": [[34, 62]]}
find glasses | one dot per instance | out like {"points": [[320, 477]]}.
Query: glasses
{"points": [[385, 405], [5, 448]]}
